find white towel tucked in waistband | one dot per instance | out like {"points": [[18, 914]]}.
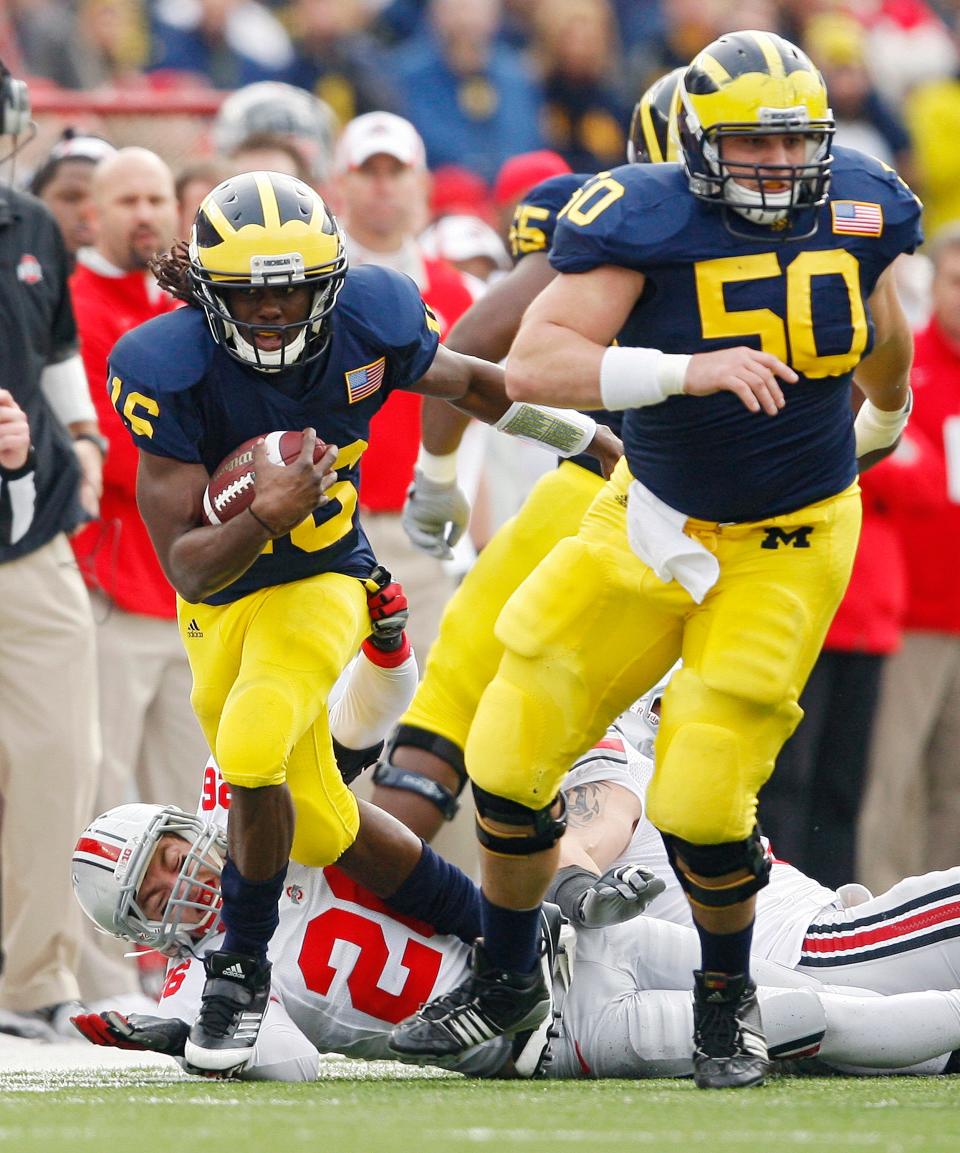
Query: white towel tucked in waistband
{"points": [[655, 532]]}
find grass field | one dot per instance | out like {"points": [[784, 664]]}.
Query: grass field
{"points": [[383, 1109]]}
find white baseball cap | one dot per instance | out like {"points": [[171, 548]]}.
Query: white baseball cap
{"points": [[375, 133], [459, 237]]}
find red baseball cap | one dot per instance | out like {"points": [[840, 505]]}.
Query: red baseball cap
{"points": [[520, 173]]}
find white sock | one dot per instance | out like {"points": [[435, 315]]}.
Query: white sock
{"points": [[372, 700]]}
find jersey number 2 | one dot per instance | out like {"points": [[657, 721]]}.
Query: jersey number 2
{"points": [[421, 962]]}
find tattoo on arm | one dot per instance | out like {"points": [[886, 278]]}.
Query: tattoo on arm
{"points": [[584, 803]]}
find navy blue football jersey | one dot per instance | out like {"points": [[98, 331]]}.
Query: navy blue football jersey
{"points": [[534, 223], [181, 396], [805, 300], [535, 217]]}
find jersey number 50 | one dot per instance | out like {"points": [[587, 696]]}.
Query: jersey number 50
{"points": [[719, 323], [793, 340]]}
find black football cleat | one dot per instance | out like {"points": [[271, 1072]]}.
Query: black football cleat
{"points": [[730, 1050], [532, 1049], [490, 1003], [234, 1001]]}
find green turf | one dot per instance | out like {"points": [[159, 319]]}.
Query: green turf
{"points": [[143, 1113]]}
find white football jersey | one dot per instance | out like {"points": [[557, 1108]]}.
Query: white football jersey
{"points": [[785, 908], [346, 968]]}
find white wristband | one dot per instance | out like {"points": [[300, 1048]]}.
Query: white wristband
{"points": [[67, 392], [439, 469], [875, 428], [636, 377], [564, 430]]}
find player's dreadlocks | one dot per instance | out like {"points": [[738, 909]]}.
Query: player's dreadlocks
{"points": [[172, 270]]}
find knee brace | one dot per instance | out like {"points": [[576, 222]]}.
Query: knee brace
{"points": [[394, 777], [352, 762], [538, 829], [717, 861]]}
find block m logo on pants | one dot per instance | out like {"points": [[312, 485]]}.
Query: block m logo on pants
{"points": [[797, 537]]}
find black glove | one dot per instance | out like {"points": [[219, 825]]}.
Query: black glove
{"points": [[114, 1030]]}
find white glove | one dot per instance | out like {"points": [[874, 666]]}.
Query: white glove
{"points": [[435, 515], [875, 429]]}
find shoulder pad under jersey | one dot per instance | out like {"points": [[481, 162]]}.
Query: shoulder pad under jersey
{"points": [[169, 353], [623, 217], [535, 217], [383, 305], [861, 184]]}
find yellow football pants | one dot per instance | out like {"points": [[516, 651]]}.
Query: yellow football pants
{"points": [[466, 653], [263, 668], [592, 628]]}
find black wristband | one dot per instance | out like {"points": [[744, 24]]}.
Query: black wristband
{"points": [[28, 466], [567, 889], [95, 438]]}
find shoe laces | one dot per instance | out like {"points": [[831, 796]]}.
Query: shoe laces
{"points": [[718, 1030], [218, 1014]]}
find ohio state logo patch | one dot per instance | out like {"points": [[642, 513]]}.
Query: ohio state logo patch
{"points": [[29, 270]]}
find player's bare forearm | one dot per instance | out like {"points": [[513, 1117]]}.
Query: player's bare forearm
{"points": [[207, 559], [551, 364], [196, 560], [485, 330], [441, 426], [884, 374], [556, 356], [475, 387]]}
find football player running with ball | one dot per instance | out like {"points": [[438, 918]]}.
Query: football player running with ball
{"points": [[273, 602], [745, 289]]}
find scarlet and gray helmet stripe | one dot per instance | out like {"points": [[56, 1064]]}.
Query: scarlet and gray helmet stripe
{"points": [[916, 924], [102, 851]]}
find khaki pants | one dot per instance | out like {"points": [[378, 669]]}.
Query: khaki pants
{"points": [[910, 820], [49, 750], [153, 750]]}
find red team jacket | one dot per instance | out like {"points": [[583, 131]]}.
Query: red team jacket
{"points": [[387, 467], [930, 536], [115, 553]]}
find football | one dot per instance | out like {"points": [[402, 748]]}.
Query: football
{"points": [[231, 488]]}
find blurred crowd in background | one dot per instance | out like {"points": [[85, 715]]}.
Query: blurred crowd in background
{"points": [[494, 96]]}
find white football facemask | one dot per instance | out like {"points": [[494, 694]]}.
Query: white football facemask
{"points": [[287, 355], [109, 863]]}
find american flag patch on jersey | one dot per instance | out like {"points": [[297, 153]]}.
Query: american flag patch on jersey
{"points": [[856, 218], [364, 382]]}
